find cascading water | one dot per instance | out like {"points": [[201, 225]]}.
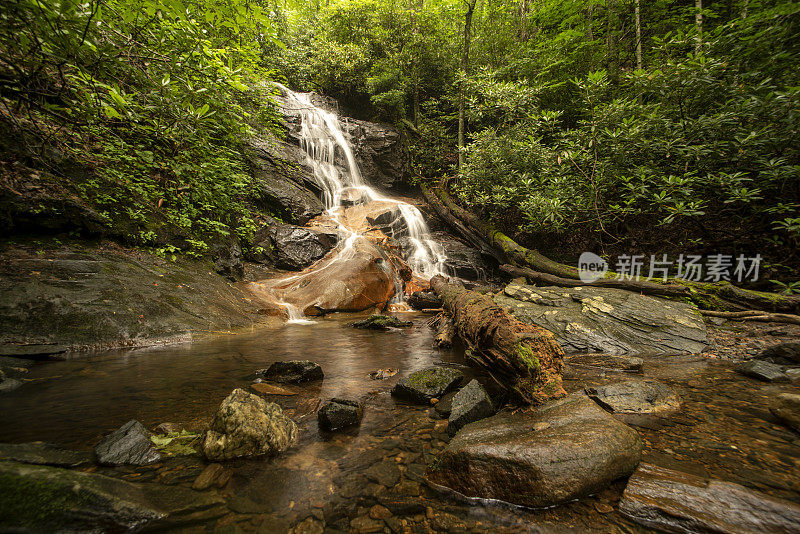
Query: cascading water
{"points": [[320, 136]]}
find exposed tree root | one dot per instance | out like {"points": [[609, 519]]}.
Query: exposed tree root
{"points": [[755, 315]]}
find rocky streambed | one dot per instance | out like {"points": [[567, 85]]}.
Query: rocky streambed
{"points": [[698, 435]]}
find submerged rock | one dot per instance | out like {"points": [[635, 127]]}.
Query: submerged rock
{"points": [[381, 322], [426, 384], [470, 404], [786, 407], [41, 453], [247, 425], [614, 321], [761, 370], [559, 451], [128, 445], [35, 498], [8, 384], [292, 372], [635, 397], [782, 354], [340, 413], [679, 502], [383, 374], [615, 362]]}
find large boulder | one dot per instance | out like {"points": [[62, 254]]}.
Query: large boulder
{"points": [[635, 397], [37, 498], [128, 445], [672, 501], [786, 407], [463, 260], [423, 385], [470, 404], [560, 451], [762, 370], [379, 152], [594, 319], [247, 425], [296, 248], [782, 353], [292, 372]]}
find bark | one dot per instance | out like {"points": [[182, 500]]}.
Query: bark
{"points": [[698, 21], [523, 359], [445, 330], [464, 68], [638, 11], [755, 315]]}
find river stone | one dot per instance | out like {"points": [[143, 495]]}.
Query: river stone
{"points": [[614, 321], [470, 404], [340, 413], [557, 452], [9, 384], [292, 372], [41, 453], [680, 502], [445, 405], [296, 248], [381, 322], [614, 362], [426, 384], [128, 445], [635, 397], [247, 425], [761, 370], [782, 354], [786, 407], [36, 498]]}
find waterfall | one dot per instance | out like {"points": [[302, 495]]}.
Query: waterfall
{"points": [[320, 135]]}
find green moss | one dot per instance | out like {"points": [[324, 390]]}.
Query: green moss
{"points": [[35, 503], [527, 356]]}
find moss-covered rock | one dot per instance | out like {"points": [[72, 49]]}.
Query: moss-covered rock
{"points": [[381, 322], [426, 384]]}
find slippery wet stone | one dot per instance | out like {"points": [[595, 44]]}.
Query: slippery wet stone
{"points": [[381, 322], [761, 370], [38, 452], [635, 397], [296, 247], [782, 354], [36, 498], [559, 451], [426, 384], [445, 405], [247, 425], [615, 362], [128, 445], [340, 413], [423, 300], [786, 407], [292, 372], [680, 502], [614, 321], [470, 404]]}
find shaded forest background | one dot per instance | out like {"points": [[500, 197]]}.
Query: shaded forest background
{"points": [[668, 126]]}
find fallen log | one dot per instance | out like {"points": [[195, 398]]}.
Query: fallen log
{"points": [[523, 359], [754, 315], [445, 330]]}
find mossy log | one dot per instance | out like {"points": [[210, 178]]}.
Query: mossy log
{"points": [[720, 296], [524, 359]]}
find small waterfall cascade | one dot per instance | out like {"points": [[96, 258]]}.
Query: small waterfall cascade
{"points": [[320, 136]]}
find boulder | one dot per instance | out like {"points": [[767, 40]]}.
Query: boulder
{"points": [[340, 413], [379, 152], [462, 260], [782, 354], [761, 370], [128, 445], [292, 372], [228, 260], [614, 321], [470, 404], [296, 248], [37, 498], [388, 219], [424, 300], [381, 322], [560, 451], [445, 405], [611, 362], [247, 425], [40, 453], [786, 407], [635, 397], [426, 384], [680, 502]]}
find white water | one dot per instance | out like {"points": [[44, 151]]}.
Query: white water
{"points": [[320, 135]]}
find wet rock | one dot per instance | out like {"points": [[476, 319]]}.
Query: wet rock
{"points": [[462, 261], [793, 374], [386, 473], [613, 321], [679, 502], [426, 384], [470, 404], [782, 354], [379, 512], [208, 477], [228, 260], [32, 350], [424, 300], [167, 428], [761, 370], [308, 526], [379, 152], [292, 372], [381, 322], [366, 525], [296, 248], [389, 220], [559, 451], [271, 389], [445, 405], [383, 374], [635, 397], [613, 362], [8, 384], [128, 445], [40, 453], [35, 498], [340, 413], [786, 407], [247, 425]]}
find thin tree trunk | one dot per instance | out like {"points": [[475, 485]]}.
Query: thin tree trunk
{"points": [[638, 36], [698, 21], [464, 68], [611, 27], [744, 9]]}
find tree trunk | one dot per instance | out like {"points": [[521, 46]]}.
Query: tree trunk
{"points": [[445, 331], [523, 359], [637, 9], [464, 68], [698, 20], [611, 27]]}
